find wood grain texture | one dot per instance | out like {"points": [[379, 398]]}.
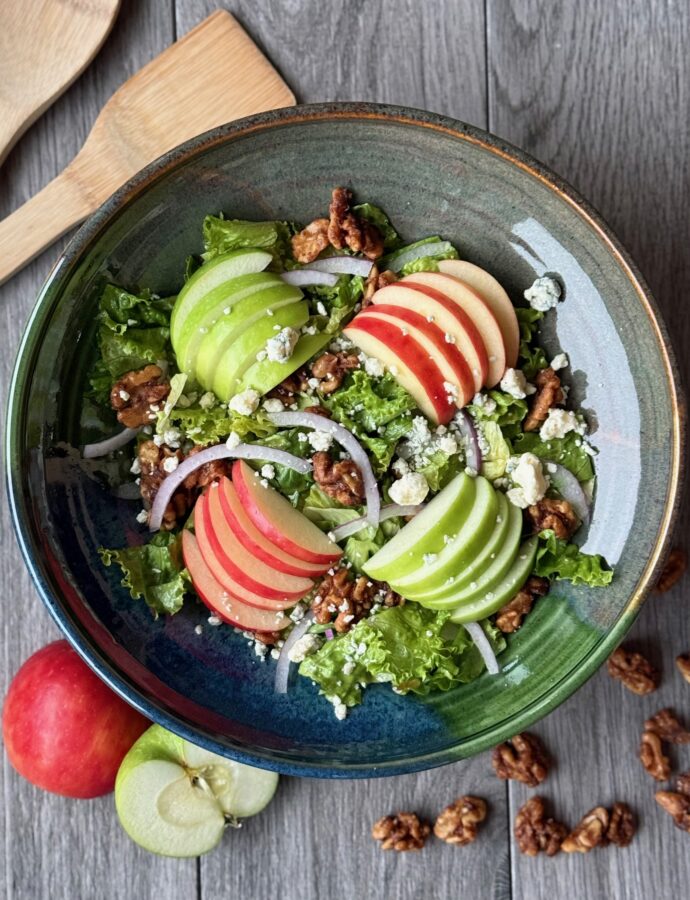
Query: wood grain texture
{"points": [[598, 90]]}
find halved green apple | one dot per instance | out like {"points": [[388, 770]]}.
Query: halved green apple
{"points": [[175, 798]]}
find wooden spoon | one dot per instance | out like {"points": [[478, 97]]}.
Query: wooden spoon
{"points": [[44, 46], [213, 75]]}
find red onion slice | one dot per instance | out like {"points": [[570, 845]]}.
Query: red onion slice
{"points": [[569, 488], [342, 265], [280, 684], [469, 432], [306, 277], [387, 512], [102, 448], [482, 643], [349, 442], [220, 451]]}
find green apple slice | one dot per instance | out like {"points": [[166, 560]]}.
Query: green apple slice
{"points": [[211, 307], [224, 333], [241, 353], [461, 550], [425, 534], [265, 375], [175, 799], [210, 276], [493, 600]]}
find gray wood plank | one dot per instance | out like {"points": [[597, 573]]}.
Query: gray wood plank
{"points": [[51, 846], [594, 89]]}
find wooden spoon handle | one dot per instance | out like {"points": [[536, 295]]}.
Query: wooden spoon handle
{"points": [[12, 124], [42, 220]]}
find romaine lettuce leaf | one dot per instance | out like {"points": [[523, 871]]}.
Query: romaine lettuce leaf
{"points": [[414, 649], [154, 571], [495, 459], [421, 264], [399, 258], [377, 217], [339, 302], [531, 358], [293, 485], [440, 468], [501, 408], [208, 426], [559, 559], [569, 451], [223, 235]]}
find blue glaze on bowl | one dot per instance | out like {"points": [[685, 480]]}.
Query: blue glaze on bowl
{"points": [[431, 174]]}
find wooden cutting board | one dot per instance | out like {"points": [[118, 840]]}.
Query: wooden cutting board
{"points": [[211, 76], [44, 46]]}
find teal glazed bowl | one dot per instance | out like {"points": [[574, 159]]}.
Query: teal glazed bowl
{"points": [[507, 213]]}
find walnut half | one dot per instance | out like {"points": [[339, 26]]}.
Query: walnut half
{"points": [[676, 805], [653, 758], [523, 758], [673, 571], [590, 832], [509, 617], [634, 671], [457, 823], [137, 396], [402, 831], [341, 480], [536, 832], [666, 725], [555, 515]]}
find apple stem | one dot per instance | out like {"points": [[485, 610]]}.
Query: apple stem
{"points": [[232, 821]]}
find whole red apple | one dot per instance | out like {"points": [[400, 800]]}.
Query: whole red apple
{"points": [[64, 729]]}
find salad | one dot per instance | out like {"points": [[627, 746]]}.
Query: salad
{"points": [[352, 450]]}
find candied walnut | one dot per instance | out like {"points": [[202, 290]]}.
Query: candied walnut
{"points": [[206, 474], [683, 663], [375, 282], [269, 638], [557, 515], [549, 394], [590, 832], [331, 369], [346, 229], [509, 617], [318, 411], [457, 824], [535, 832], [403, 831], [311, 241], [152, 464], [673, 571], [137, 394], [666, 725], [676, 805], [523, 758], [622, 825], [683, 783], [347, 599], [652, 757], [634, 670], [340, 480], [297, 383]]}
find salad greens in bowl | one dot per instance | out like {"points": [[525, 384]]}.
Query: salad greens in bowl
{"points": [[344, 440]]}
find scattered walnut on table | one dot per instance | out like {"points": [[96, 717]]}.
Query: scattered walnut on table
{"points": [[331, 369], [136, 392], [634, 670], [347, 599], [549, 393], [666, 725], [652, 757], [590, 832], [403, 831], [535, 832], [683, 663], [673, 571], [347, 229], [683, 783], [557, 515], [509, 617], [676, 805], [341, 480], [311, 241], [622, 825], [523, 758], [457, 823]]}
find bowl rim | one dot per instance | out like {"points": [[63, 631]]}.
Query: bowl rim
{"points": [[49, 297]]}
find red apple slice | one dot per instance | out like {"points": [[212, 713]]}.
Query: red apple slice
{"points": [[477, 309], [432, 339], [450, 318], [217, 540], [231, 610], [407, 360], [487, 287], [279, 521], [256, 543]]}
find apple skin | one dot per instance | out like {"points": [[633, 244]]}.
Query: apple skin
{"points": [[65, 730]]}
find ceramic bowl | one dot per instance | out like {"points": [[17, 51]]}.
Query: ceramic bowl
{"points": [[432, 175]]}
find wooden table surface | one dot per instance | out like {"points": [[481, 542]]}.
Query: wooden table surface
{"points": [[600, 91]]}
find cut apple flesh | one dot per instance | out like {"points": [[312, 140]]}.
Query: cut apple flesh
{"points": [[461, 549], [210, 276], [487, 287], [494, 599], [279, 521], [264, 375], [403, 356], [229, 609], [239, 355], [477, 309], [258, 544], [430, 338], [231, 299], [450, 318], [405, 551]]}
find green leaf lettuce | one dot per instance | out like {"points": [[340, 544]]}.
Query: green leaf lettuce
{"points": [[559, 559]]}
